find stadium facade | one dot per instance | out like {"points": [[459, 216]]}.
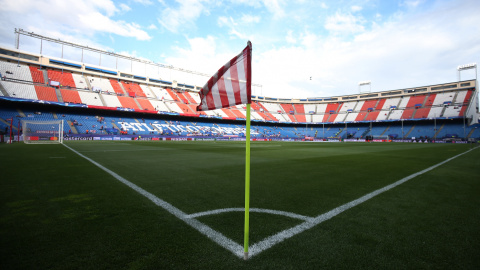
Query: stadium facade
{"points": [[101, 103]]}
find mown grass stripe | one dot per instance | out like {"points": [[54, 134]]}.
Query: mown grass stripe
{"points": [[217, 237], [285, 234]]}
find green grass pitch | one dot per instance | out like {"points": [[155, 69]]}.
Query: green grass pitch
{"points": [[59, 211]]}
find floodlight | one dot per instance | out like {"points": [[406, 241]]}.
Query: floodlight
{"points": [[364, 83], [467, 66]]}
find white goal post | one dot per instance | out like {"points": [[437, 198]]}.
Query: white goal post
{"points": [[42, 132]]}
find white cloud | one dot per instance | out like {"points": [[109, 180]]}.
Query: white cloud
{"points": [[409, 51], [406, 48], [144, 2], [202, 54], [124, 7], [290, 38], [275, 7], [224, 21], [152, 26], [233, 27], [246, 18], [98, 22], [356, 8], [50, 16], [344, 23], [405, 51], [411, 3], [184, 16]]}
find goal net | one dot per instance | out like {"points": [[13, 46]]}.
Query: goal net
{"points": [[378, 138], [42, 132]]}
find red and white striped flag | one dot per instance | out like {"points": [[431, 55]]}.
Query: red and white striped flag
{"points": [[231, 85]]}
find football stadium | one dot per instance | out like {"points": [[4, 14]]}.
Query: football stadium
{"points": [[103, 168]]}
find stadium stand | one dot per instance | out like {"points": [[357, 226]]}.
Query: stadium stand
{"points": [[37, 75], [117, 87], [90, 98], [71, 96], [128, 102], [46, 93], [80, 82], [133, 89], [145, 104], [64, 78], [388, 111], [101, 85], [146, 90], [112, 101]]}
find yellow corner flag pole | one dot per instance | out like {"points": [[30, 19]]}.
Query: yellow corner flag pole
{"points": [[247, 185]]}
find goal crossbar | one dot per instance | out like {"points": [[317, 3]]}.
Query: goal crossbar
{"points": [[42, 132]]}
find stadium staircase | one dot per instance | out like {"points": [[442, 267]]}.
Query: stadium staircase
{"points": [[59, 95], [470, 133], [443, 111], [138, 104], [422, 107], [154, 127], [339, 132], [45, 76], [7, 123], [123, 89], [440, 129], [390, 111], [410, 131], [452, 104], [425, 100], [88, 82], [4, 92], [115, 125], [151, 91], [166, 105], [388, 115], [385, 131], [366, 132], [327, 120], [55, 116], [21, 113], [72, 127], [454, 100], [101, 98]]}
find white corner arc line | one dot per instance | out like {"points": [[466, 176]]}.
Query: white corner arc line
{"points": [[217, 237], [270, 241], [252, 210]]}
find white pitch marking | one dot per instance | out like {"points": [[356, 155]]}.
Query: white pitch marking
{"points": [[123, 150], [217, 237], [57, 157], [252, 210], [270, 241]]}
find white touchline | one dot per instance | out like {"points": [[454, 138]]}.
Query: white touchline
{"points": [[270, 241], [279, 237], [204, 229]]}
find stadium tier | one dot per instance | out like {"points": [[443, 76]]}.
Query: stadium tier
{"points": [[170, 109]]}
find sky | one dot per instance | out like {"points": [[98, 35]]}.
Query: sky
{"points": [[301, 49]]}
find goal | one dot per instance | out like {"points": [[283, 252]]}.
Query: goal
{"points": [[42, 132], [378, 138]]}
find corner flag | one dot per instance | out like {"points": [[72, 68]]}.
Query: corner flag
{"points": [[232, 85]]}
